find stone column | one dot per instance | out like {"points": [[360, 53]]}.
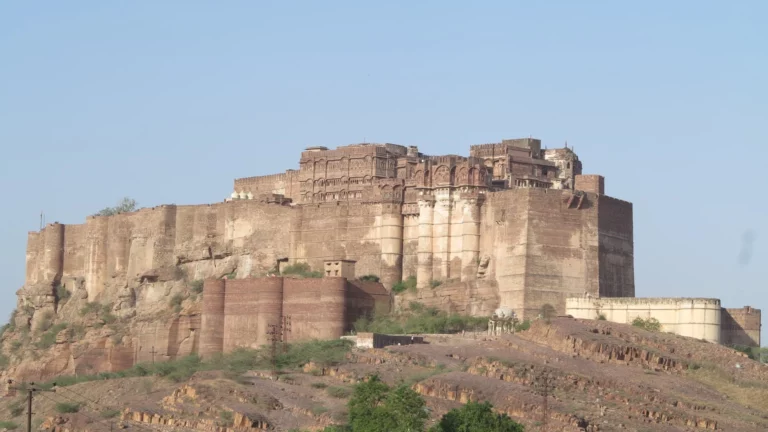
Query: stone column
{"points": [[470, 239], [441, 233], [424, 250], [391, 244]]}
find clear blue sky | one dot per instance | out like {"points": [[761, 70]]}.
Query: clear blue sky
{"points": [[168, 101]]}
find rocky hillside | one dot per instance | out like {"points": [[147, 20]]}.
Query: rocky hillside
{"points": [[593, 375], [58, 329]]}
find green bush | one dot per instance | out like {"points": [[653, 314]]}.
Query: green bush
{"points": [[601, 317], [4, 361], [106, 314], [522, 326], [8, 425], [48, 338], [375, 407], [176, 301], [17, 409], [547, 312], [323, 353], [369, 278], [650, 324], [435, 283], [339, 392], [196, 287], [302, 270], [416, 306], [47, 320], [752, 353], [110, 413], [62, 293], [420, 320], [409, 284], [319, 385], [66, 407], [89, 308], [226, 417], [234, 364], [476, 417], [318, 410], [125, 205]]}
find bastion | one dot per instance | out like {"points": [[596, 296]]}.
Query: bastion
{"points": [[701, 318]]}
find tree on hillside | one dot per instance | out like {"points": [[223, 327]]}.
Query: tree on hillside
{"points": [[476, 417], [124, 206], [547, 312], [375, 407]]}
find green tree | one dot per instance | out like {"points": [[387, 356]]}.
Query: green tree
{"points": [[763, 355], [547, 312], [476, 417], [124, 206], [375, 407]]}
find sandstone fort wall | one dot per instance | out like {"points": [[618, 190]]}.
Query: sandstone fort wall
{"points": [[741, 326], [616, 247], [693, 317], [121, 248], [238, 312]]}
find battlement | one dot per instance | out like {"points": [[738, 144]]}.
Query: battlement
{"points": [[355, 150], [263, 179]]}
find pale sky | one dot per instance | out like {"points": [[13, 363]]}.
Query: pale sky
{"points": [[168, 102]]}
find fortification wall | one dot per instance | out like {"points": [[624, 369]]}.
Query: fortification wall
{"points": [[250, 306], [340, 231], [212, 327], [562, 249], [590, 183], [540, 250], [693, 317], [503, 240], [113, 251], [317, 307], [286, 184], [616, 247], [741, 327], [238, 312]]}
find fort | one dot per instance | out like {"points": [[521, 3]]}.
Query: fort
{"points": [[512, 225]]}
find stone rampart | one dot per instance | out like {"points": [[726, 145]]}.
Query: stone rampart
{"points": [[317, 308], [693, 317], [238, 312], [119, 249], [741, 326]]}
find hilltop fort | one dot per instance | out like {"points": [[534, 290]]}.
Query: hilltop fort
{"points": [[512, 225]]}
